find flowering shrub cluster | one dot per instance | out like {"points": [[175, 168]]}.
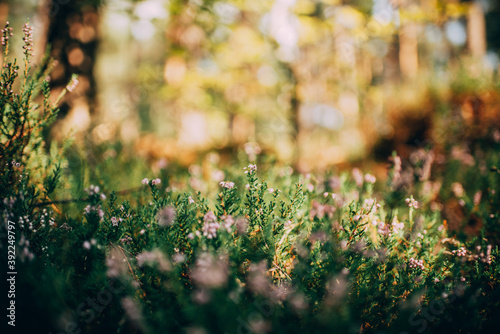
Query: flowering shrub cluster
{"points": [[269, 251]]}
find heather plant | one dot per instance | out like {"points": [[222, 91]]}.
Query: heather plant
{"points": [[257, 249]]}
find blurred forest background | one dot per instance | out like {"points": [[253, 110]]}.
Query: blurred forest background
{"points": [[315, 82]]}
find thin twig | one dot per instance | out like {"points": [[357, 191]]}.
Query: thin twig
{"points": [[78, 200], [129, 266]]}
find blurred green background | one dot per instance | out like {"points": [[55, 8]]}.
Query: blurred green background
{"points": [[315, 82]]}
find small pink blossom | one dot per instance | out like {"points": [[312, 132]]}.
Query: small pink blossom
{"points": [[166, 216], [210, 225], [145, 181], [227, 184], [250, 168], [416, 263], [370, 178], [412, 203], [228, 222], [461, 252], [72, 84]]}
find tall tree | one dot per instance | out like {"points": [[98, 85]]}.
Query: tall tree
{"points": [[72, 32], [476, 29]]}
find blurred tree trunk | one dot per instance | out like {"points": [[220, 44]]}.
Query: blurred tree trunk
{"points": [[408, 40], [4, 12], [476, 30], [408, 50], [72, 32]]}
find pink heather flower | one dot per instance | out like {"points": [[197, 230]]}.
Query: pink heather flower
{"points": [[114, 221], [228, 222], [317, 210], [396, 225], [383, 229], [145, 181], [461, 252], [477, 197], [325, 194], [131, 309], [251, 168], [154, 257], [190, 200], [412, 203], [218, 175], [257, 280], [72, 84], [115, 264], [209, 271], [86, 245], [247, 186], [357, 176], [190, 235], [227, 184], [166, 216], [241, 225], [271, 190], [155, 182], [28, 40], [93, 190], [178, 257], [416, 263], [457, 189], [210, 225], [89, 209], [251, 149], [370, 178]]}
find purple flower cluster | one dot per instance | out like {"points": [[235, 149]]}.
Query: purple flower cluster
{"points": [[228, 222], [210, 225], [28, 40], [416, 263], [115, 221], [72, 84], [461, 252], [94, 191], [6, 33], [227, 184], [319, 210], [90, 209], [250, 168], [166, 216], [412, 203], [154, 182]]}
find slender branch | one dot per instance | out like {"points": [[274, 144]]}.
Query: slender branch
{"points": [[79, 200], [129, 266]]}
